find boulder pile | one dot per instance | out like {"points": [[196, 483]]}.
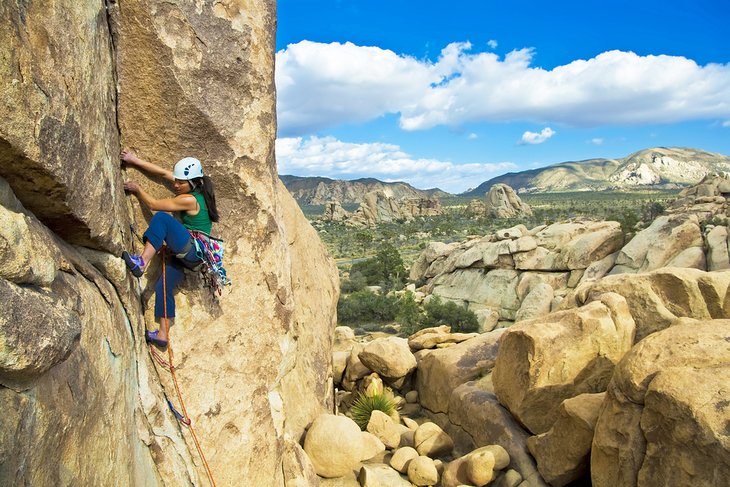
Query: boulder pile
{"points": [[609, 360], [403, 448]]}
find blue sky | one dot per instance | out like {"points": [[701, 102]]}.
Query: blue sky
{"points": [[452, 94]]}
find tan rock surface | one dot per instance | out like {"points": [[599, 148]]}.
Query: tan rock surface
{"points": [[380, 475], [387, 431], [402, 457], [536, 303], [389, 357], [665, 416], [495, 290], [455, 473], [441, 371], [717, 256], [656, 245], [474, 409], [77, 379], [563, 452], [430, 440], [333, 444], [422, 471], [59, 140], [542, 362], [298, 468], [480, 467], [659, 298]]}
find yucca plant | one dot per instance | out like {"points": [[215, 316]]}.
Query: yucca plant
{"points": [[364, 406]]}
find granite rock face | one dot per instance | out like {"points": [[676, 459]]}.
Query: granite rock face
{"points": [[58, 135], [193, 79], [542, 362], [665, 417]]}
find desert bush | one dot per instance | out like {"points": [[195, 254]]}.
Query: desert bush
{"points": [[460, 319], [356, 282], [365, 306], [386, 269], [409, 313], [364, 406]]}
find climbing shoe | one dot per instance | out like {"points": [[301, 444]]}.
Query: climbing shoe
{"points": [[135, 263], [151, 337]]}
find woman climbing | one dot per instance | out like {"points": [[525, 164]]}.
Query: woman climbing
{"points": [[196, 209]]}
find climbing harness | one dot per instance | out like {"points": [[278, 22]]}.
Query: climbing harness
{"points": [[182, 417]]}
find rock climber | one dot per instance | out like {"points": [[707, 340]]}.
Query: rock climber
{"points": [[196, 209]]}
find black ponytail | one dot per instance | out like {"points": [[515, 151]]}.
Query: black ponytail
{"points": [[205, 186]]}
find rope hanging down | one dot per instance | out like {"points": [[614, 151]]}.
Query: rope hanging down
{"points": [[182, 417]]}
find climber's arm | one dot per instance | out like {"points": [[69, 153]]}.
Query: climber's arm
{"points": [[131, 159], [182, 202]]}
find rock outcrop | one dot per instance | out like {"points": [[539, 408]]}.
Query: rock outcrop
{"points": [[382, 207], [512, 273], [319, 190], [503, 202], [334, 212], [254, 365]]}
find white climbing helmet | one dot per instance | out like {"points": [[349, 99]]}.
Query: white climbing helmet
{"points": [[188, 168]]}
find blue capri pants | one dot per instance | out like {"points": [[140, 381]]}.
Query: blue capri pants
{"points": [[166, 229]]}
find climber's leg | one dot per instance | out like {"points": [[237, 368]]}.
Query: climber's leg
{"points": [[165, 229]]}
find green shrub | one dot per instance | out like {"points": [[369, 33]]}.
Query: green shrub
{"points": [[356, 282], [365, 306], [364, 406], [449, 313], [409, 313], [386, 269]]}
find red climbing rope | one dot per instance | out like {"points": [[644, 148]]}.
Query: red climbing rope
{"points": [[184, 418]]}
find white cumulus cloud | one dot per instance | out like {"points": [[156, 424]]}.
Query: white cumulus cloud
{"points": [[324, 85], [597, 141], [537, 137], [314, 156], [492, 43]]}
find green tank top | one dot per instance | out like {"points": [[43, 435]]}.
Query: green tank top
{"points": [[200, 222]]}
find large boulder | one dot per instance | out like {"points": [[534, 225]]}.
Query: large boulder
{"points": [[333, 444], [389, 357], [503, 202], [563, 452], [441, 371], [717, 255], [497, 289], [334, 212], [544, 361], [658, 244], [536, 303], [58, 133], [474, 410], [665, 417], [431, 441], [380, 475], [657, 299]]}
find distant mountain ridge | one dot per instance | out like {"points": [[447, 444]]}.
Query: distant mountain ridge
{"points": [[320, 190], [656, 168]]}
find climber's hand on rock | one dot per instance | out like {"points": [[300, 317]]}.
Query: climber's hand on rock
{"points": [[131, 187], [129, 157]]}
